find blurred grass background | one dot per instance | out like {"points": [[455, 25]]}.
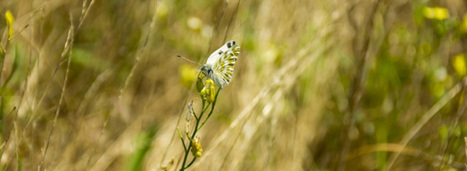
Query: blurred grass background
{"points": [[319, 85]]}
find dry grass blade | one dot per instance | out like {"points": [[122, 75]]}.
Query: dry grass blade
{"points": [[465, 139], [318, 85], [84, 12], [68, 45], [66, 49], [139, 54], [425, 118], [398, 148], [104, 160]]}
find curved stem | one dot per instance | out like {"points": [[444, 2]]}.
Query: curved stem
{"points": [[187, 151], [192, 161], [183, 141], [198, 119], [212, 109], [184, 158], [204, 108]]}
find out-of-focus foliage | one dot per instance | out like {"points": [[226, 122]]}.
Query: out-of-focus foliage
{"points": [[318, 85]]}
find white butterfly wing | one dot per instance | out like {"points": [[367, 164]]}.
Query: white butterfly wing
{"points": [[224, 65], [216, 55]]}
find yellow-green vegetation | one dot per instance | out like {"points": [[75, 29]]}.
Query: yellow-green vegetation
{"points": [[318, 85]]}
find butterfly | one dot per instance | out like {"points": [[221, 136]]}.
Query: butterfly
{"points": [[220, 64]]}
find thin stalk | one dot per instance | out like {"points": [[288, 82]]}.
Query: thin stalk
{"points": [[187, 150], [192, 161], [183, 141], [212, 109]]}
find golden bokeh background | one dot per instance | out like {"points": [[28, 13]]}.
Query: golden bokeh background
{"points": [[318, 85]]}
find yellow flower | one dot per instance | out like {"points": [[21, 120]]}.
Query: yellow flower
{"points": [[196, 147], [208, 92], [9, 22], [212, 94], [187, 75], [458, 63], [463, 26], [436, 13]]}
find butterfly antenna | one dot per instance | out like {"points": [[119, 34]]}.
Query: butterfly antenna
{"points": [[188, 60]]}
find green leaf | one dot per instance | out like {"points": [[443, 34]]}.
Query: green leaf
{"points": [[443, 132], [143, 145]]}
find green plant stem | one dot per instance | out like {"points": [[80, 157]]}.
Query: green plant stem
{"points": [[183, 141], [196, 117], [192, 161], [205, 108], [187, 151], [212, 109]]}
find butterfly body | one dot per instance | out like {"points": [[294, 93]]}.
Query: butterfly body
{"points": [[220, 64]]}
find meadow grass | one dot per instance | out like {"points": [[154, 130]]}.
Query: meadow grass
{"points": [[318, 85]]}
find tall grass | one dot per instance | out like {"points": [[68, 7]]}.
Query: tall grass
{"points": [[318, 85]]}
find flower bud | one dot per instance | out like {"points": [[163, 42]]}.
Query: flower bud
{"points": [[9, 22], [208, 93], [212, 93], [196, 147]]}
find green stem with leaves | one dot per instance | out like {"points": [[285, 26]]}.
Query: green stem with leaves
{"points": [[198, 119]]}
